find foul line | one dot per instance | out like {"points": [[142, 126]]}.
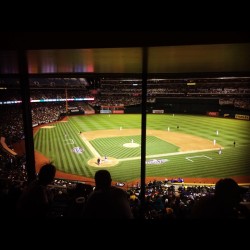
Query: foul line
{"points": [[168, 154], [91, 148]]}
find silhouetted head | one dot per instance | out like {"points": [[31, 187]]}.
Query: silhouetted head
{"points": [[227, 191], [47, 174], [103, 179]]}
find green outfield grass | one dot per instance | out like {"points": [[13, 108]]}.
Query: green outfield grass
{"points": [[57, 143]]}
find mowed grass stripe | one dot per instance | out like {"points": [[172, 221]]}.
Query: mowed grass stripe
{"points": [[44, 140], [57, 155], [61, 148], [73, 162], [61, 141], [51, 141], [103, 122], [69, 157], [38, 139]]}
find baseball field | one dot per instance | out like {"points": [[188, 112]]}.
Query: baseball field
{"points": [[185, 146]]}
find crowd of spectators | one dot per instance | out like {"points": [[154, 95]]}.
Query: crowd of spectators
{"points": [[128, 92], [164, 200]]}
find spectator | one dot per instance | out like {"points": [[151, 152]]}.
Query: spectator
{"points": [[224, 204], [106, 201], [35, 200]]}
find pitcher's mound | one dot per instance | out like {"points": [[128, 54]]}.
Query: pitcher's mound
{"points": [[131, 145], [109, 162]]}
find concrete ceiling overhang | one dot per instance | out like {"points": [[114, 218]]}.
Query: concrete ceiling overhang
{"points": [[177, 56]]}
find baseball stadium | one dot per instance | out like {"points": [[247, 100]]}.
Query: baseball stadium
{"points": [[160, 119]]}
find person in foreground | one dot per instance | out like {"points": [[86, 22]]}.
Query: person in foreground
{"points": [[35, 201], [225, 204], [106, 201]]}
